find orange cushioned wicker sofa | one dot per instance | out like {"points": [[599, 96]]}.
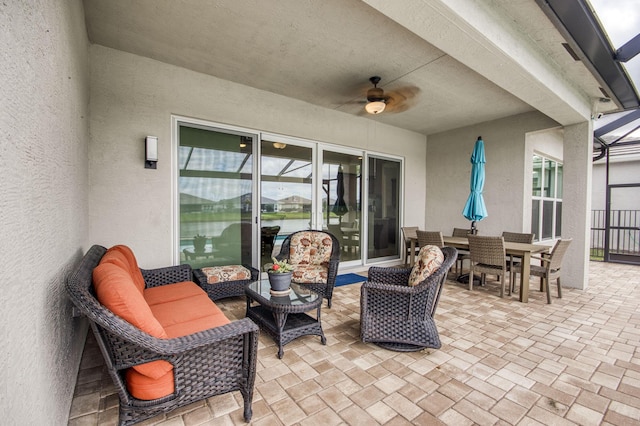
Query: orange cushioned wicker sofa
{"points": [[165, 342]]}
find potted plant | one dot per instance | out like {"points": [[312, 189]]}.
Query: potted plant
{"points": [[199, 241], [279, 273]]}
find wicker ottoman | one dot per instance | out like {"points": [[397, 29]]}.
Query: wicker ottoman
{"points": [[225, 281]]}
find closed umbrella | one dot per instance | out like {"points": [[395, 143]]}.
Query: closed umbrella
{"points": [[475, 208], [340, 207]]}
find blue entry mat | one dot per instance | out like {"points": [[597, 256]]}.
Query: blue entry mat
{"points": [[345, 279]]}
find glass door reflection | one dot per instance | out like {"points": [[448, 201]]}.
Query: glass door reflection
{"points": [[215, 196], [341, 201], [286, 194]]}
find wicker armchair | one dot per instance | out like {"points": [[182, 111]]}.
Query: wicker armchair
{"points": [[319, 277], [550, 268], [205, 364], [398, 317], [488, 257]]}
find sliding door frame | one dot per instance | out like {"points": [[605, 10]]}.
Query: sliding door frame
{"points": [[318, 147]]}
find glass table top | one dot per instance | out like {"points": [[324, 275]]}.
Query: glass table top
{"points": [[299, 295]]}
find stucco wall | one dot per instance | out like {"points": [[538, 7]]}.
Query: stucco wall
{"points": [[132, 97], [449, 170], [43, 117]]}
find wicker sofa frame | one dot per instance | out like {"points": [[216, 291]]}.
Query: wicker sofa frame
{"points": [[398, 317], [219, 291], [326, 290], [207, 363]]}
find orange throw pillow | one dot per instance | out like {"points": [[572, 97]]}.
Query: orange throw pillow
{"points": [[115, 290]]}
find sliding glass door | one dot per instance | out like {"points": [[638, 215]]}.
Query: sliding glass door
{"points": [[215, 186], [383, 224], [286, 192], [239, 194], [341, 204]]}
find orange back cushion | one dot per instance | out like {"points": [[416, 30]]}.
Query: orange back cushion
{"points": [[122, 256], [116, 290]]}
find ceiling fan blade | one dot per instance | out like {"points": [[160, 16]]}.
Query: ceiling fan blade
{"points": [[401, 99]]}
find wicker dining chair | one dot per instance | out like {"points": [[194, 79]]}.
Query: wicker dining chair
{"points": [[488, 257], [407, 233], [550, 268], [315, 256], [516, 237], [430, 238], [399, 317], [462, 254]]}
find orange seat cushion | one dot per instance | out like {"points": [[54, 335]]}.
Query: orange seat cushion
{"points": [[183, 309], [142, 387]]}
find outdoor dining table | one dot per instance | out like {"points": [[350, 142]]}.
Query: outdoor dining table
{"points": [[516, 249]]}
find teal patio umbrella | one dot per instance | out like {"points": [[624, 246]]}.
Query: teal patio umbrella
{"points": [[475, 208]]}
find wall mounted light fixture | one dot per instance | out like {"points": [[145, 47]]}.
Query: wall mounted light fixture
{"points": [[151, 152]]}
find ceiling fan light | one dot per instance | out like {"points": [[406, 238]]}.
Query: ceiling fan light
{"points": [[279, 145], [375, 107]]}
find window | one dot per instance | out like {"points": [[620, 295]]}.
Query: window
{"points": [[546, 205]]}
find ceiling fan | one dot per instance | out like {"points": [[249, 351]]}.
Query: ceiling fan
{"points": [[394, 101]]}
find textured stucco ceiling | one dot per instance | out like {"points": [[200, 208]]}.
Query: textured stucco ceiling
{"points": [[323, 52]]}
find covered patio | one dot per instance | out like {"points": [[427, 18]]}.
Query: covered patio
{"points": [[85, 81], [574, 362]]}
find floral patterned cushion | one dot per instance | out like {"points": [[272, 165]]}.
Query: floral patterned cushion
{"points": [[221, 274], [310, 274], [310, 248], [429, 260]]}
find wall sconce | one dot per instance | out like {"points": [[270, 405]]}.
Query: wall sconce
{"points": [[279, 145], [151, 152]]}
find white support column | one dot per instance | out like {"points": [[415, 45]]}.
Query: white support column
{"points": [[576, 203]]}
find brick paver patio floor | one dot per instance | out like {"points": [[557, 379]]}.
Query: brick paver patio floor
{"points": [[575, 361]]}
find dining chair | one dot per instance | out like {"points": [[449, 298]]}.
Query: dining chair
{"points": [[460, 232], [462, 254], [409, 232], [429, 238], [487, 257], [549, 269], [516, 237]]}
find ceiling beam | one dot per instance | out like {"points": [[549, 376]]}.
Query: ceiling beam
{"points": [[490, 44]]}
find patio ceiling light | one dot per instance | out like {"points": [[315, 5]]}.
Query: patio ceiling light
{"points": [[375, 107]]}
